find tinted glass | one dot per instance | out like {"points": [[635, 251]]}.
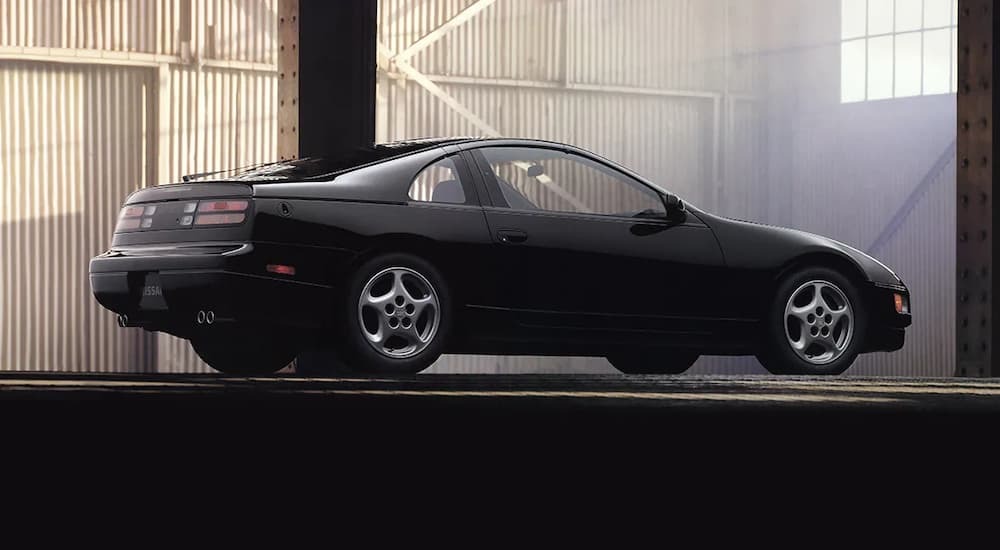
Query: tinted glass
{"points": [[438, 182], [544, 179]]}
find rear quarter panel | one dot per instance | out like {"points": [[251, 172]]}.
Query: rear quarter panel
{"points": [[332, 237], [359, 213]]}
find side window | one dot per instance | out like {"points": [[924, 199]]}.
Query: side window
{"points": [[545, 179], [438, 182]]}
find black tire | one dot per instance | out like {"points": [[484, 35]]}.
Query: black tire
{"points": [[777, 355], [244, 352], [654, 362], [362, 355]]}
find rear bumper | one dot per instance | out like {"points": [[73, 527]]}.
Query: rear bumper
{"points": [[887, 327], [215, 278]]}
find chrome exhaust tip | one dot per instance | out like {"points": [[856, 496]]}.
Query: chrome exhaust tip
{"points": [[122, 320], [209, 317], [200, 319]]}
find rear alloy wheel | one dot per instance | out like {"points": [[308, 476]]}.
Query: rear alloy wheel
{"points": [[815, 325], [399, 315], [244, 352], [655, 362]]}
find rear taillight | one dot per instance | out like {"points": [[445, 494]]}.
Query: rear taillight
{"points": [[222, 206], [222, 212], [184, 214], [134, 217], [219, 219]]}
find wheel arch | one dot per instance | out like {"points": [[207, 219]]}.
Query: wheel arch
{"points": [[420, 248], [831, 260], [839, 263], [842, 265], [403, 243]]}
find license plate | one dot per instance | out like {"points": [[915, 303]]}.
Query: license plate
{"points": [[151, 293]]}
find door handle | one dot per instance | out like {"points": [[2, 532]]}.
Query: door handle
{"points": [[511, 236]]}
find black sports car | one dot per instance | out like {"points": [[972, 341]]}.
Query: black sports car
{"points": [[404, 251]]}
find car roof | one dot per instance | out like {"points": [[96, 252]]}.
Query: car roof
{"points": [[414, 145], [321, 167]]}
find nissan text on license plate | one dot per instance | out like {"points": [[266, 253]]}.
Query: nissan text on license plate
{"points": [[151, 295]]}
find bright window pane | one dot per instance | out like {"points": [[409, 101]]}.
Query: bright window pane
{"points": [[908, 64], [852, 18], [880, 67], [937, 61], [908, 14], [879, 16], [910, 60], [852, 71], [937, 13], [954, 59]]}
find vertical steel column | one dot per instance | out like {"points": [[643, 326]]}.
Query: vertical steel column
{"points": [[288, 81], [975, 189], [326, 99], [336, 76]]}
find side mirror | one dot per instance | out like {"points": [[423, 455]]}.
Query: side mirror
{"points": [[673, 204], [535, 170]]}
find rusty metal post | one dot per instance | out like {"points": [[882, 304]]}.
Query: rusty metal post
{"points": [[288, 79], [974, 256]]}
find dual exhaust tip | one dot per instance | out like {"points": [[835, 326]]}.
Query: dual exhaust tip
{"points": [[205, 317]]}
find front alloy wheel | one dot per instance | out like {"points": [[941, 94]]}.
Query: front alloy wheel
{"points": [[819, 322], [815, 325]]}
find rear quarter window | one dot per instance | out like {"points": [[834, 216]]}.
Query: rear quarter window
{"points": [[439, 183]]}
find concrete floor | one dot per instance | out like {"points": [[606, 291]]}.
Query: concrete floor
{"points": [[526, 392], [441, 420]]}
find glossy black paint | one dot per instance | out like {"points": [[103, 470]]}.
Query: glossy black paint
{"points": [[524, 282]]}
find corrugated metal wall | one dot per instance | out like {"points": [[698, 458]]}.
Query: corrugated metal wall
{"points": [[69, 155], [235, 30], [923, 254], [664, 86], [100, 98]]}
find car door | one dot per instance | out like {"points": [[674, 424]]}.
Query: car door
{"points": [[583, 247], [444, 210]]}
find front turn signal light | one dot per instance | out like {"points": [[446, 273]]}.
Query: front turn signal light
{"points": [[901, 303]]}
